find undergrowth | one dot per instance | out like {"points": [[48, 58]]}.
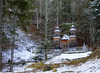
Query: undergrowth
{"points": [[37, 65]]}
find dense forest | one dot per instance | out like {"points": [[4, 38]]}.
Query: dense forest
{"points": [[40, 17], [84, 14]]}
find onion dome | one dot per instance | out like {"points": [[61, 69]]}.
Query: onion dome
{"points": [[73, 28], [57, 29]]}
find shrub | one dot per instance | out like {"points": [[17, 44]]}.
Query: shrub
{"points": [[9, 61], [67, 59], [2, 63], [54, 70], [23, 63], [47, 68]]}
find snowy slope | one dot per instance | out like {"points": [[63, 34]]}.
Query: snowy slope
{"points": [[64, 68], [92, 66], [20, 53], [62, 57]]}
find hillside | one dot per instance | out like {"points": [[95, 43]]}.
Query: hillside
{"points": [[22, 51]]}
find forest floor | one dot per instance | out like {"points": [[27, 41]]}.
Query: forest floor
{"points": [[58, 62], [86, 62]]}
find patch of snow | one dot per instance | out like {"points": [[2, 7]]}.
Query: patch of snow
{"points": [[72, 36], [24, 68], [84, 47], [58, 59], [96, 9], [10, 9], [57, 37]]}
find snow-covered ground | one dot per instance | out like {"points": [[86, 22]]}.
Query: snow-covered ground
{"points": [[92, 66], [58, 59], [63, 57], [23, 44]]}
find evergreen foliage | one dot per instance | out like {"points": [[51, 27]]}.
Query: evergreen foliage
{"points": [[21, 9], [65, 28], [46, 44]]}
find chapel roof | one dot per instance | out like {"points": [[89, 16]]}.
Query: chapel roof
{"points": [[65, 37]]}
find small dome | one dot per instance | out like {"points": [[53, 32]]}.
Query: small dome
{"points": [[57, 27], [73, 26], [72, 29], [65, 37]]}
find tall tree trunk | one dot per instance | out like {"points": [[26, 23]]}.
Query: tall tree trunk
{"points": [[57, 13], [94, 37], [46, 17], [12, 49], [37, 13], [40, 10], [46, 23], [73, 17], [90, 35], [1, 10], [60, 17], [37, 19]]}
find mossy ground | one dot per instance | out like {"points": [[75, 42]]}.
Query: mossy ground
{"points": [[37, 65]]}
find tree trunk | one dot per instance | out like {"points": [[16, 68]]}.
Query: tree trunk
{"points": [[1, 10], [57, 13], [90, 36], [12, 49], [60, 17], [37, 19], [40, 10], [37, 14], [46, 54], [46, 17]]}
